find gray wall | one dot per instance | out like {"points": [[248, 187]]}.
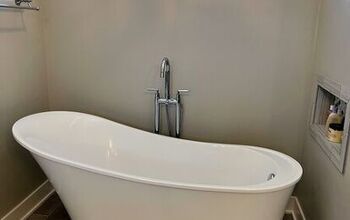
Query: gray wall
{"points": [[247, 63], [23, 91], [324, 192]]}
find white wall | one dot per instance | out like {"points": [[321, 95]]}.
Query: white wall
{"points": [[247, 63], [324, 192], [23, 91]]}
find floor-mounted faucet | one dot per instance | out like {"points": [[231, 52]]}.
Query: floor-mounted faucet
{"points": [[167, 100]]}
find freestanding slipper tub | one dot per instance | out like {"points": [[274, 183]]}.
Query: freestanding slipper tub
{"points": [[103, 170]]}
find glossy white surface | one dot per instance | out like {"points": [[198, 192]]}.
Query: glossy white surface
{"points": [[102, 169]]}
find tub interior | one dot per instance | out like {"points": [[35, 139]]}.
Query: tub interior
{"points": [[105, 145]]}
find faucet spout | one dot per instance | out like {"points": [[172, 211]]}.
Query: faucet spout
{"points": [[165, 73]]}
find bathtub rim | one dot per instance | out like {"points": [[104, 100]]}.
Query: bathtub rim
{"points": [[247, 189]]}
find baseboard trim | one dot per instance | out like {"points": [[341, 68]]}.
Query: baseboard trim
{"points": [[294, 208], [25, 208]]}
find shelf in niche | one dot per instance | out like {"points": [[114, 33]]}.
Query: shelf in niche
{"points": [[327, 93], [335, 148]]}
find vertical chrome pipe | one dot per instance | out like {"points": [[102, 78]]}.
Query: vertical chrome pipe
{"points": [[179, 111], [178, 116], [156, 113], [156, 118]]}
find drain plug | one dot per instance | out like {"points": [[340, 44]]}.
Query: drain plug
{"points": [[271, 176]]}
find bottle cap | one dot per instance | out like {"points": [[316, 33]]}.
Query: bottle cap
{"points": [[332, 108]]}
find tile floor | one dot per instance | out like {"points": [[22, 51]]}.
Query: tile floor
{"points": [[53, 209]]}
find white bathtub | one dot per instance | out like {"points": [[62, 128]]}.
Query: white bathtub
{"points": [[103, 170]]}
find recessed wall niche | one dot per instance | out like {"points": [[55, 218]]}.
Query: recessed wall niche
{"points": [[331, 97]]}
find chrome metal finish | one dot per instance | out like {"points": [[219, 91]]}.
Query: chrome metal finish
{"points": [[271, 176], [18, 5], [178, 118], [165, 73], [156, 113], [152, 90], [167, 101], [156, 109], [183, 91], [19, 2]]}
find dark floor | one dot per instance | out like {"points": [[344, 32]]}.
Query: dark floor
{"points": [[288, 217], [53, 209]]}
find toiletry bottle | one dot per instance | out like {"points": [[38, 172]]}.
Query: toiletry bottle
{"points": [[341, 114], [333, 118], [335, 133]]}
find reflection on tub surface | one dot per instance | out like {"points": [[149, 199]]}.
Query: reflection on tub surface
{"points": [[102, 169]]}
